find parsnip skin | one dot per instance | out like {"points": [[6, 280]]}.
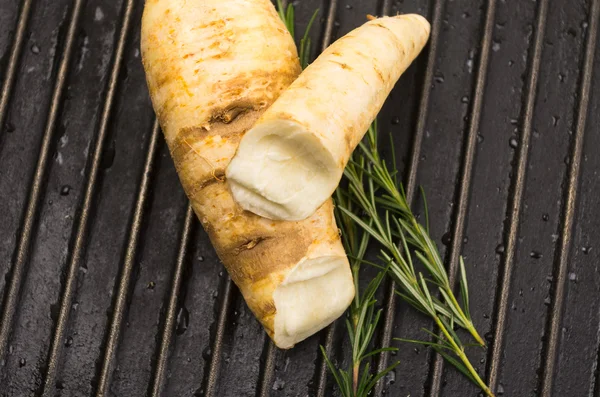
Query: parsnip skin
{"points": [[293, 158], [213, 67]]}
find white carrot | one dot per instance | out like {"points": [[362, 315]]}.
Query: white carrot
{"points": [[292, 160], [213, 67]]}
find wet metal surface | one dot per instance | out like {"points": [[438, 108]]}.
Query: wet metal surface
{"points": [[110, 287]]}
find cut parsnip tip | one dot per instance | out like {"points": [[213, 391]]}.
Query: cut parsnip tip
{"points": [[293, 158], [213, 67]]}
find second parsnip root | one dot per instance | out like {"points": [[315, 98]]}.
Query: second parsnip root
{"points": [[292, 160]]}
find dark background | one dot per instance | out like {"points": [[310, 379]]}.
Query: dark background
{"points": [[111, 288]]}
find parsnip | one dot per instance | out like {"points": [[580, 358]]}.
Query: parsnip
{"points": [[213, 67], [292, 160]]}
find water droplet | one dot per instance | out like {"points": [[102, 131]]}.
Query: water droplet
{"points": [[586, 250], [75, 305], [215, 294], [470, 65], [511, 63], [416, 350], [520, 292], [554, 238], [464, 99], [500, 249], [513, 143], [99, 14], [390, 377], [348, 7], [555, 120], [278, 384], [22, 363], [495, 46], [64, 191], [549, 278], [396, 120], [514, 121], [199, 393], [69, 342], [60, 384], [482, 361], [500, 25], [221, 273], [439, 78], [183, 320], [151, 285], [35, 49], [567, 160], [486, 316], [572, 276], [584, 25], [545, 217], [500, 389], [535, 254], [489, 336], [11, 349], [466, 239], [561, 77], [9, 127], [480, 137], [466, 15], [206, 353], [547, 301], [446, 238], [200, 258], [336, 24]]}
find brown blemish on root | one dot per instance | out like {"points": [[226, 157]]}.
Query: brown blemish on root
{"points": [[251, 244], [383, 27], [376, 69], [343, 65], [348, 140]]}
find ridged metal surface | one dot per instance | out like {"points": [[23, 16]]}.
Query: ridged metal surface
{"points": [[13, 60], [112, 288], [518, 187], [411, 178], [19, 266], [468, 162], [568, 217]]}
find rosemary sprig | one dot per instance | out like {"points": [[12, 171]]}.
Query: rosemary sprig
{"points": [[380, 198], [394, 202]]}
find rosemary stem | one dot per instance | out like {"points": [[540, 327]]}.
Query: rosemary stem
{"points": [[469, 325], [463, 357], [355, 373]]}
